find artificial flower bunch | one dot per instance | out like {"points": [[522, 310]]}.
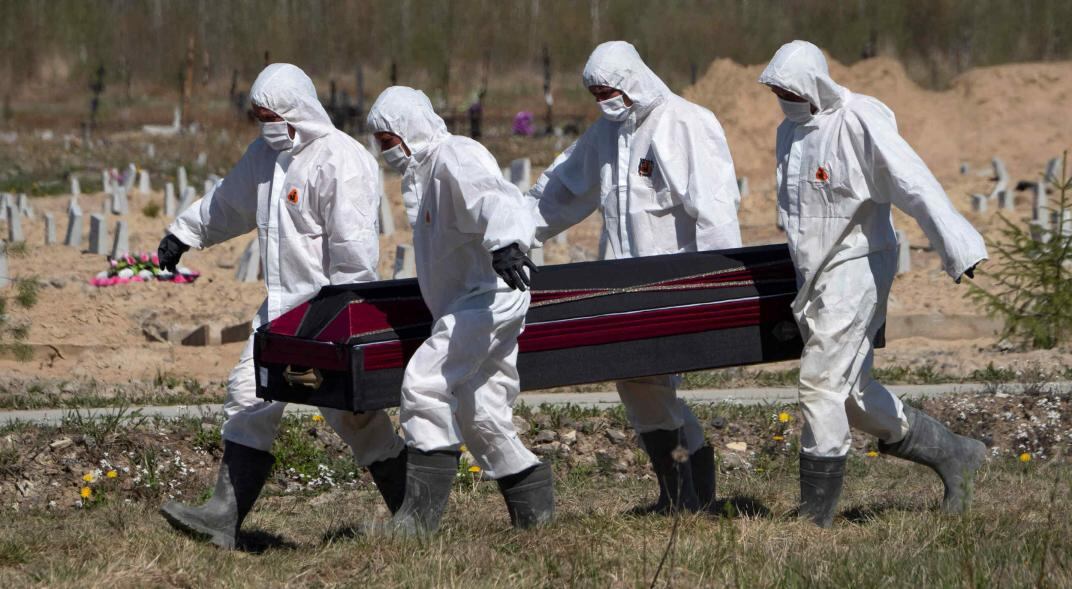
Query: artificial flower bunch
{"points": [[143, 267]]}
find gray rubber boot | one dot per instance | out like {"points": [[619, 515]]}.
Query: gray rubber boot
{"points": [[243, 472], [390, 478], [672, 470], [821, 479], [954, 457], [530, 496], [703, 475], [429, 477]]}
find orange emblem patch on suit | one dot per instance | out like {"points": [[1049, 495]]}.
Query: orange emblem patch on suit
{"points": [[821, 175], [292, 196]]}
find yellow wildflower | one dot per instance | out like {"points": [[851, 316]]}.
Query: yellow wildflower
{"points": [[463, 448], [318, 418], [778, 438], [1025, 457], [112, 474], [784, 417], [88, 477], [474, 469], [872, 454], [86, 492]]}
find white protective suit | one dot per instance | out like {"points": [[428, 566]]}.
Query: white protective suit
{"points": [[665, 182], [461, 383], [315, 210], [838, 173]]}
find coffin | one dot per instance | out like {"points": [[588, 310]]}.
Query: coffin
{"points": [[588, 322]]}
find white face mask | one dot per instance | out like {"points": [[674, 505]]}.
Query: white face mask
{"points": [[615, 109], [277, 135], [798, 112], [397, 158]]}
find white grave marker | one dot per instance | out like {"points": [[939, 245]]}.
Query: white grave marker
{"points": [[50, 229], [74, 228], [121, 244], [98, 235]]}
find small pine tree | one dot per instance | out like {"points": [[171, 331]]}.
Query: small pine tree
{"points": [[1032, 273]]}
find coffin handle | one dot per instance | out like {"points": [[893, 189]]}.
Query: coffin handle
{"points": [[303, 378]]}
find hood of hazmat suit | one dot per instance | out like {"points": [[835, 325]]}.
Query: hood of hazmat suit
{"points": [[663, 177], [314, 206], [838, 173], [421, 129], [463, 207]]}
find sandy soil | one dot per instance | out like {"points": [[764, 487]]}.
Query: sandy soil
{"points": [[1011, 111]]}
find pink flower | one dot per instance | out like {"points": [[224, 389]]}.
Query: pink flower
{"points": [[130, 259], [145, 257], [119, 280], [136, 279], [179, 278], [113, 263], [156, 259]]}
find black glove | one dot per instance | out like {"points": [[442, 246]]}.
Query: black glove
{"points": [[970, 273], [170, 250], [509, 263]]}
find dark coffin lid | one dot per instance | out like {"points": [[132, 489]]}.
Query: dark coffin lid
{"points": [[393, 309]]}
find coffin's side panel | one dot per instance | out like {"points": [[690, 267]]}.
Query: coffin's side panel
{"points": [[662, 355], [330, 385]]}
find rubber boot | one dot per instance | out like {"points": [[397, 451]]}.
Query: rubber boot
{"points": [[429, 477], [703, 475], [674, 474], [954, 457], [530, 496], [390, 478], [243, 472], [821, 479]]}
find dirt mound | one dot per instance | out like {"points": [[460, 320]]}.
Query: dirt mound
{"points": [[1013, 111]]}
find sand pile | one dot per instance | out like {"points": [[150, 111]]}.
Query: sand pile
{"points": [[1015, 112]]}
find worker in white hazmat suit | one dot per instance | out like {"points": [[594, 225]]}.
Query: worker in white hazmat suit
{"points": [[659, 169], [310, 192], [841, 164], [470, 235]]}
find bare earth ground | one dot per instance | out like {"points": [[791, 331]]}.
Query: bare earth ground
{"points": [[301, 533], [1010, 111], [101, 332]]}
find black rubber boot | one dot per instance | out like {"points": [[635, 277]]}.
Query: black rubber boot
{"points": [[530, 496], [243, 472], [429, 477], [954, 457], [390, 478], [673, 471], [820, 487], [702, 462]]}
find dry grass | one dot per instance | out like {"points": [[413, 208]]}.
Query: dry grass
{"points": [[889, 534]]}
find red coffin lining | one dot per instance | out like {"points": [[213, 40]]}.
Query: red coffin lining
{"points": [[302, 352], [288, 323], [591, 331]]}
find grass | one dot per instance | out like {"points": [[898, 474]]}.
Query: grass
{"points": [[164, 389], [151, 210], [889, 533]]}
